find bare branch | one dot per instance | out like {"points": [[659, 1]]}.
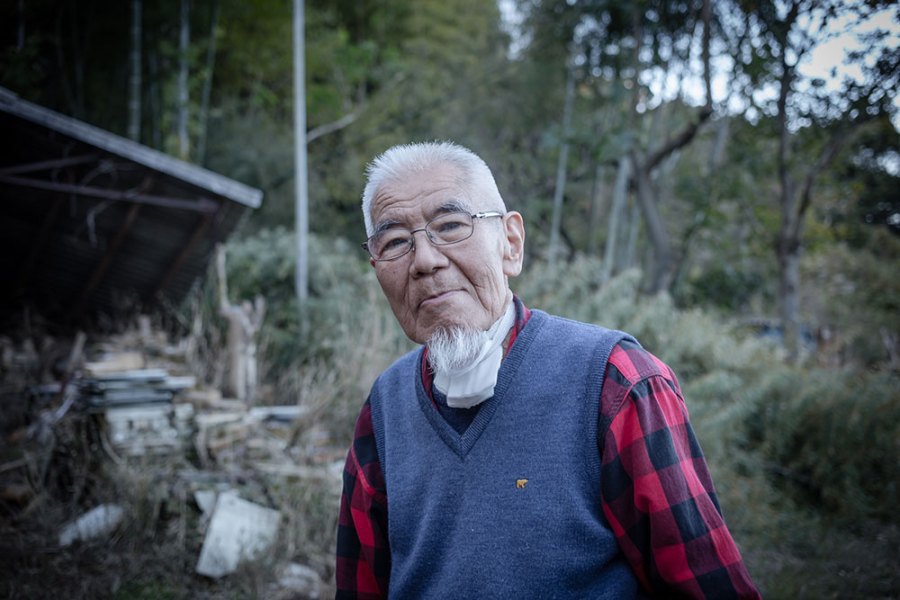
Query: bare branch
{"points": [[325, 129], [683, 138], [834, 145]]}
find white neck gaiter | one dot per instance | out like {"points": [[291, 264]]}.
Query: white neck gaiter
{"points": [[474, 383]]}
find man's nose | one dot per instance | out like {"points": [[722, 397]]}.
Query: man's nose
{"points": [[426, 256]]}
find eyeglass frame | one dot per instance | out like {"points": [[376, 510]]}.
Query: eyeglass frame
{"points": [[412, 237]]}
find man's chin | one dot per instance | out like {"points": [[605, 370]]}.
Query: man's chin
{"points": [[454, 347], [446, 331]]}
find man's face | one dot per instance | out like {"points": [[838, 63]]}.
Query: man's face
{"points": [[463, 284]]}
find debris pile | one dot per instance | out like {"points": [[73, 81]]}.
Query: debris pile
{"points": [[147, 412], [139, 408]]}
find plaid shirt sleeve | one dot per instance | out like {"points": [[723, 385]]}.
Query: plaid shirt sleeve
{"points": [[363, 562], [658, 496]]}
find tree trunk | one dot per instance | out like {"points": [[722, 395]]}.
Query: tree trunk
{"points": [[788, 289], [598, 195], [645, 163], [663, 261], [184, 39], [244, 322], [207, 85], [630, 244], [134, 88], [155, 97], [709, 171], [794, 205], [620, 195], [560, 188], [20, 29], [720, 144], [73, 88]]}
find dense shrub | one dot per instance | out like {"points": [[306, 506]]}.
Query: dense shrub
{"points": [[831, 440], [692, 342], [855, 301]]}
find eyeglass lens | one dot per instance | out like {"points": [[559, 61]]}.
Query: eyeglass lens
{"points": [[445, 229]]}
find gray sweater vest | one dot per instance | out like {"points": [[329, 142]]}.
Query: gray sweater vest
{"points": [[510, 508]]}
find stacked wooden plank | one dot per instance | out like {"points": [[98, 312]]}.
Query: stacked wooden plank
{"points": [[139, 406]]}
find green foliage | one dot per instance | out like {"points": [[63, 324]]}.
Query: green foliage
{"points": [[265, 263], [22, 70], [349, 336], [147, 590], [254, 63], [256, 149], [723, 286], [831, 440], [854, 295], [692, 342]]}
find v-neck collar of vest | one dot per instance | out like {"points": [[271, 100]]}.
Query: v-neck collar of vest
{"points": [[462, 443]]}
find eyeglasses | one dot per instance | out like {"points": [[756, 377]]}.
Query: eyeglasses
{"points": [[450, 228]]}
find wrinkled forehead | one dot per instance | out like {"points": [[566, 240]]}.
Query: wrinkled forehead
{"points": [[423, 193]]}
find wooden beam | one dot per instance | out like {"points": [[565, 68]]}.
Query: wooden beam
{"points": [[67, 127], [203, 205], [44, 165]]}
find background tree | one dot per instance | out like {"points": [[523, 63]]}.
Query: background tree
{"points": [[787, 34], [624, 51], [134, 86]]}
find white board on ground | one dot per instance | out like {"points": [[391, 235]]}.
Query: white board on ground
{"points": [[239, 530]]}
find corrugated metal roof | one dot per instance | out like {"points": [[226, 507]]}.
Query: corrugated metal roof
{"points": [[94, 223]]}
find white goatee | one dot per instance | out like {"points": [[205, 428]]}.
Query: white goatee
{"points": [[454, 348], [466, 361]]}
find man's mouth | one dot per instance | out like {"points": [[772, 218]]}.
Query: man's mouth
{"points": [[438, 297]]}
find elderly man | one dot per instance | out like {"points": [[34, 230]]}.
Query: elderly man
{"points": [[516, 454]]}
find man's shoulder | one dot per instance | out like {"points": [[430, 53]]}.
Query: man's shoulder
{"points": [[633, 363], [572, 327]]}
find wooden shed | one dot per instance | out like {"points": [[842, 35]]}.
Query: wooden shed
{"points": [[91, 222]]}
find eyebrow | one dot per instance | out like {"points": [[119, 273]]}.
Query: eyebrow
{"points": [[383, 226], [453, 206]]}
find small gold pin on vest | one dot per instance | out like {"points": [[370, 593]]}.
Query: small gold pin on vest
{"points": [[520, 484]]}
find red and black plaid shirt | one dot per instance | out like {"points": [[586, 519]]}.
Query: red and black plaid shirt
{"points": [[657, 493]]}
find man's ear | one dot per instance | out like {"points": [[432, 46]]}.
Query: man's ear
{"points": [[514, 250]]}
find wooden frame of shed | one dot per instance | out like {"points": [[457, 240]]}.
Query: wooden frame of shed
{"points": [[91, 222]]}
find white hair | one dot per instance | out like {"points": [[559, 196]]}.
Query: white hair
{"points": [[408, 159], [454, 348]]}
